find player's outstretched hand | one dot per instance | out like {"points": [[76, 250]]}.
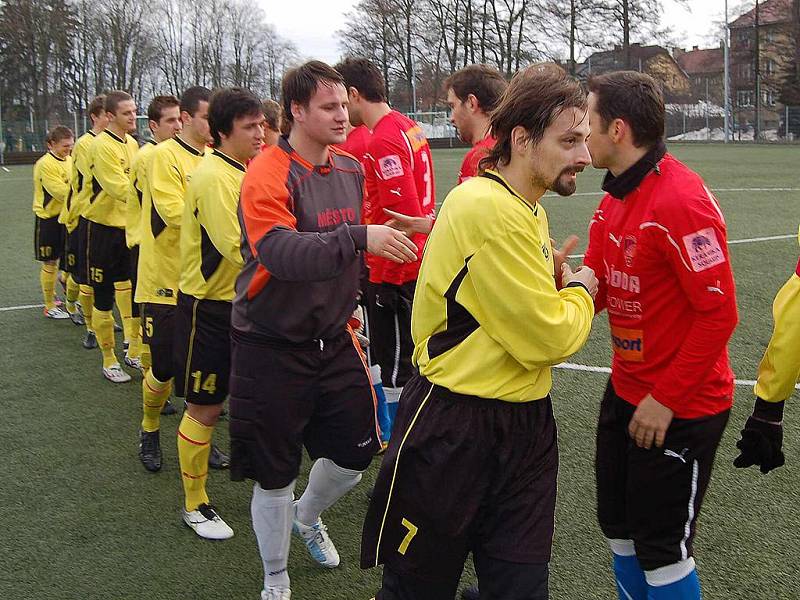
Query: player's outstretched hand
{"points": [[584, 275], [385, 242], [649, 423], [762, 438], [408, 225], [561, 255]]}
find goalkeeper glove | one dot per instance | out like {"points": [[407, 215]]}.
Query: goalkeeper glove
{"points": [[762, 438]]}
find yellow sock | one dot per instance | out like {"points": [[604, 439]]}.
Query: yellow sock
{"points": [[104, 328], [135, 341], [86, 296], [154, 395], [47, 277], [72, 293], [123, 292], [194, 446], [144, 353]]}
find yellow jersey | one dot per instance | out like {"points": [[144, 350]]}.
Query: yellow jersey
{"points": [[168, 171], [487, 319], [110, 157], [210, 232], [50, 185], [133, 211], [80, 177]]}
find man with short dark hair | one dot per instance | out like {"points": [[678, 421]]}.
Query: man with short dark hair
{"points": [[164, 121], [51, 189], [107, 256], [272, 124], [399, 176], [78, 202], [472, 94], [298, 377], [659, 241], [168, 172], [472, 465], [210, 263]]}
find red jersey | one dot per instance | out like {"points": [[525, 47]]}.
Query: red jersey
{"points": [[356, 142], [469, 168], [658, 243], [399, 176]]}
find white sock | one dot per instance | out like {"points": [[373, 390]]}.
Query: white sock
{"points": [[272, 513], [392, 394], [327, 482]]}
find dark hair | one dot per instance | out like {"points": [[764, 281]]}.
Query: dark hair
{"points": [[192, 97], [114, 99], [300, 84], [98, 105], [534, 99], [633, 97], [158, 104], [227, 105], [361, 74], [272, 113], [482, 81], [58, 133]]}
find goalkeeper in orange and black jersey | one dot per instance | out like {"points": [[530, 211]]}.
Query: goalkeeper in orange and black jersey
{"points": [[50, 193], [164, 120], [762, 437]]}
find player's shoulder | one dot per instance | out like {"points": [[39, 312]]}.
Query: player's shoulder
{"points": [[487, 203], [679, 189], [344, 161]]}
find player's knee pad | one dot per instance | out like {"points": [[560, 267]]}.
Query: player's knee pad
{"points": [[103, 297]]}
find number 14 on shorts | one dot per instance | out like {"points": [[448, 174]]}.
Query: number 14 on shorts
{"points": [[207, 384]]}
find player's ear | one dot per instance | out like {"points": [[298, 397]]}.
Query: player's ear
{"points": [[519, 139], [617, 130], [352, 93], [472, 103]]}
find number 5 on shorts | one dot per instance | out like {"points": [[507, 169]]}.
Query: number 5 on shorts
{"points": [[412, 531]]}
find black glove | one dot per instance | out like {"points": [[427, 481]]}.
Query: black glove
{"points": [[762, 438]]}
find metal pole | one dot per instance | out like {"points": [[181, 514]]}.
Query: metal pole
{"points": [[786, 121], [75, 124], [727, 90], [2, 137], [708, 131]]}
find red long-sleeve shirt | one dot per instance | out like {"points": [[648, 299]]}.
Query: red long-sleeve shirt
{"points": [[660, 251], [472, 159]]}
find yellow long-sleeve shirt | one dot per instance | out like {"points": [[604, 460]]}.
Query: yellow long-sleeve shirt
{"points": [[168, 172], [50, 185], [133, 211], [487, 319], [80, 178], [210, 232], [111, 158]]}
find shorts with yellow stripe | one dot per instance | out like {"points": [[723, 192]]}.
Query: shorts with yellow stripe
{"points": [[462, 474], [202, 349]]}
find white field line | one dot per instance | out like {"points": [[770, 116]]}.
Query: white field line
{"points": [[593, 369], [768, 238], [22, 307], [755, 189]]}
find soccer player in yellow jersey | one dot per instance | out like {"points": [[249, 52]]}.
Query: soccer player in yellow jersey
{"points": [[762, 437], [50, 192], [164, 120], [77, 204], [168, 171], [108, 259], [210, 263]]}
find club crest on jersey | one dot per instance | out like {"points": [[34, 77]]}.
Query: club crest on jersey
{"points": [[390, 166], [546, 251], [704, 249], [629, 249]]}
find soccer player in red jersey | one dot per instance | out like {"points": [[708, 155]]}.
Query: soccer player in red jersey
{"points": [[473, 93], [658, 242], [399, 176], [357, 142]]}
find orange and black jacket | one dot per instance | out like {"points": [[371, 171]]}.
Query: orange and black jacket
{"points": [[301, 244]]}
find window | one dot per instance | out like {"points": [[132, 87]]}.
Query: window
{"points": [[744, 98], [768, 97], [745, 71], [769, 36], [770, 67]]}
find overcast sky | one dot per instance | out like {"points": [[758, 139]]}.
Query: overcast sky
{"points": [[312, 24]]}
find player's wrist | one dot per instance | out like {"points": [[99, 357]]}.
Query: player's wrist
{"points": [[768, 412]]}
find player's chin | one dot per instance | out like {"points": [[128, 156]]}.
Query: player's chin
{"points": [[338, 136], [565, 185]]}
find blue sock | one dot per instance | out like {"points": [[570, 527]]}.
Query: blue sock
{"points": [[384, 421], [631, 584], [687, 588]]}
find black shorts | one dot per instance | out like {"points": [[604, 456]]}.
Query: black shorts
{"points": [[158, 332], [81, 274], [284, 396], [48, 239], [653, 496], [391, 345], [202, 349], [107, 255], [70, 261], [462, 474]]}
